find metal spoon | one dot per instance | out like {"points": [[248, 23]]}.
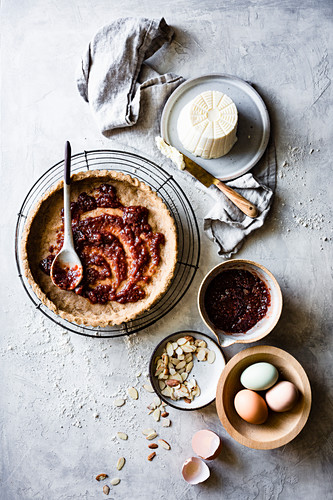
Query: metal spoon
{"points": [[66, 270]]}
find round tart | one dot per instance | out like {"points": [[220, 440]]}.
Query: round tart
{"points": [[125, 237]]}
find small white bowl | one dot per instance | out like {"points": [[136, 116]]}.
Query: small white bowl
{"points": [[207, 375], [265, 325]]}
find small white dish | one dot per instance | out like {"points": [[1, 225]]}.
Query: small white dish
{"points": [[253, 123], [207, 375], [265, 325]]}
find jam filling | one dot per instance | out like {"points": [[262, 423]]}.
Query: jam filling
{"points": [[118, 249], [236, 300]]}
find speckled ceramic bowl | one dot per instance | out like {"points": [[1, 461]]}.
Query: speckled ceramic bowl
{"points": [[265, 325]]}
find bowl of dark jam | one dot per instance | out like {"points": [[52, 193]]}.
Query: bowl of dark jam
{"points": [[240, 301]]}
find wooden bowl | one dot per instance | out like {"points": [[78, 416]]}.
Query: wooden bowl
{"points": [[280, 428], [265, 325]]}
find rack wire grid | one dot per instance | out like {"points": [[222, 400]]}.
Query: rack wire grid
{"points": [[179, 206]]}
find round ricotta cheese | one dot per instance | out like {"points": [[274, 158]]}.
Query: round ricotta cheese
{"points": [[207, 125]]}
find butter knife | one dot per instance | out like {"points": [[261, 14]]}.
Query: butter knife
{"points": [[207, 180]]}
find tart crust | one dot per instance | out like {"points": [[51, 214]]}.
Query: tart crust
{"points": [[40, 232]]}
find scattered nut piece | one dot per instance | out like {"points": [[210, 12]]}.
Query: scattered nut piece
{"points": [[157, 401], [201, 354], [122, 435], [166, 422], [164, 414], [148, 387], [164, 444], [133, 393], [106, 489], [151, 436], [157, 414], [119, 402], [151, 456], [101, 477], [211, 357], [153, 446], [115, 481], [120, 463], [146, 432]]}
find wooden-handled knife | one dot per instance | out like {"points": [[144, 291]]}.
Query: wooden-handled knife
{"points": [[207, 180]]}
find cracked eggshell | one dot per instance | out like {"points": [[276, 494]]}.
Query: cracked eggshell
{"points": [[206, 444], [195, 471]]}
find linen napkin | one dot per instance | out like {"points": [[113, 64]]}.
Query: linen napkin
{"points": [[127, 97]]}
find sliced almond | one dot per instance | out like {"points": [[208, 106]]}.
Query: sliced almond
{"points": [[189, 338], [169, 349], [146, 432], [157, 414], [189, 348], [148, 387], [174, 345], [157, 401], [151, 456], [181, 357], [211, 357], [166, 422], [167, 391], [201, 354], [181, 365], [106, 489], [164, 444], [184, 376], [172, 382], [189, 357], [179, 351], [181, 341], [187, 400], [189, 367], [165, 358], [122, 435], [202, 343], [119, 402], [159, 370], [120, 463], [172, 371], [161, 384], [151, 436], [115, 481], [178, 377], [101, 477], [174, 361], [133, 393]]}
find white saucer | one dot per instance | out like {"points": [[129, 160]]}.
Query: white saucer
{"points": [[253, 123]]}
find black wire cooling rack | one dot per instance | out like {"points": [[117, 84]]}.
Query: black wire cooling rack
{"points": [[175, 199]]}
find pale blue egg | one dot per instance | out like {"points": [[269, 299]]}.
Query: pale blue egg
{"points": [[259, 376]]}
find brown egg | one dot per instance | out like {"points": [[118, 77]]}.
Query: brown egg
{"points": [[282, 397], [251, 407]]}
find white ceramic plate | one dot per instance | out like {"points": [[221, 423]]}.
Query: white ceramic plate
{"points": [[253, 123], [207, 375]]}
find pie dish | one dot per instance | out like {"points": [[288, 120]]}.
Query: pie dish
{"points": [[125, 236]]}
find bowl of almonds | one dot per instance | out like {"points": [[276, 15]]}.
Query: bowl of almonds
{"points": [[185, 368]]}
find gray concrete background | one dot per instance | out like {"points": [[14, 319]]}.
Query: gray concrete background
{"points": [[57, 389]]}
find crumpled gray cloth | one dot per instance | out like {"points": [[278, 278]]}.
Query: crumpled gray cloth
{"points": [[108, 77], [123, 91], [225, 224]]}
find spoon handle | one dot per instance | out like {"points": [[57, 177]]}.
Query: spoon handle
{"points": [[68, 235]]}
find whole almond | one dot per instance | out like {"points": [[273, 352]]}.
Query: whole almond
{"points": [[106, 489], [151, 456], [172, 382], [153, 446], [164, 414], [101, 477]]}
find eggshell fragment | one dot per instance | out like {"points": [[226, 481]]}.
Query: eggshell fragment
{"points": [[206, 444], [195, 471], [259, 376], [251, 407], [282, 397]]}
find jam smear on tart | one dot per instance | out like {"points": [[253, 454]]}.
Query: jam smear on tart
{"points": [[118, 249]]}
